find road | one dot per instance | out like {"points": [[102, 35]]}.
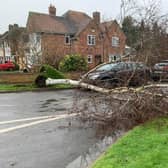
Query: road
{"points": [[35, 131]]}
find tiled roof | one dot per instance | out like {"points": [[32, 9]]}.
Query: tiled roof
{"points": [[70, 23], [4, 36]]}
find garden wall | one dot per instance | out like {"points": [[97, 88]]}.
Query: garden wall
{"points": [[17, 78]]}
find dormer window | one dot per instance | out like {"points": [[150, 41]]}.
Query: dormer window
{"points": [[67, 39], [91, 39], [115, 41]]}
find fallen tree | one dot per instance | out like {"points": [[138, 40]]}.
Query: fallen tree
{"points": [[50, 81], [119, 108]]}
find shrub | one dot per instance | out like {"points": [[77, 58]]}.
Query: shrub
{"points": [[73, 63], [47, 71]]}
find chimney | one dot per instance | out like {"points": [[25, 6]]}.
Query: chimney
{"points": [[96, 17], [52, 10], [10, 27]]}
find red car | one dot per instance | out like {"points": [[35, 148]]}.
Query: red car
{"points": [[7, 66]]}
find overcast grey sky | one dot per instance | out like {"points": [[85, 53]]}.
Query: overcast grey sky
{"points": [[16, 11]]}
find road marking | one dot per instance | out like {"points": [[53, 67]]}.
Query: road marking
{"points": [[27, 119], [7, 105], [6, 130]]}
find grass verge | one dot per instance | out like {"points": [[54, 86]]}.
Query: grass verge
{"points": [[144, 147], [30, 87]]}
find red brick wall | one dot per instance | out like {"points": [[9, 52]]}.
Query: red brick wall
{"points": [[54, 45], [81, 46], [114, 30], [102, 47], [17, 78]]}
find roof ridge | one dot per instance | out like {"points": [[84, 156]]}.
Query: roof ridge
{"points": [[74, 11], [70, 22], [37, 13]]}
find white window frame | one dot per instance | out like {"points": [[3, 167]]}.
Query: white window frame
{"points": [[91, 59], [91, 39], [115, 41], [67, 36], [111, 58]]}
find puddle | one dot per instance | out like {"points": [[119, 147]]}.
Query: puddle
{"points": [[85, 160], [51, 100], [44, 106], [60, 109], [46, 103], [63, 99]]}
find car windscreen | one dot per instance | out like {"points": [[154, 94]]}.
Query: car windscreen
{"points": [[106, 67], [109, 67]]}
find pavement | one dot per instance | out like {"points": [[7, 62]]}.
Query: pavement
{"points": [[36, 132]]}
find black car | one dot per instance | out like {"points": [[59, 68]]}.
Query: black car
{"points": [[119, 74]]}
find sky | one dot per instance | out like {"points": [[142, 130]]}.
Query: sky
{"points": [[16, 11]]}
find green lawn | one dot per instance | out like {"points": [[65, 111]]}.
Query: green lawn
{"points": [[30, 87], [144, 147]]}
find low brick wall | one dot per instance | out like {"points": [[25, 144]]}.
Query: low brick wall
{"points": [[17, 78]]}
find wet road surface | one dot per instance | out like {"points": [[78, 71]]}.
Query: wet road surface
{"points": [[29, 140]]}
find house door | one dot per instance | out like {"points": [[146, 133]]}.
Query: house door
{"points": [[98, 59]]}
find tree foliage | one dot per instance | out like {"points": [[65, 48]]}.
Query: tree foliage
{"points": [[50, 72], [131, 30], [73, 63]]}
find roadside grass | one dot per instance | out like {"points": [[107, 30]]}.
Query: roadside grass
{"points": [[16, 87], [145, 146], [30, 87]]}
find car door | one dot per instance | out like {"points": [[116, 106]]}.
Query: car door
{"points": [[122, 73], [140, 75]]}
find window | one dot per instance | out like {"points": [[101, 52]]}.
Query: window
{"points": [[114, 58], [90, 59], [67, 39], [91, 39], [115, 41]]}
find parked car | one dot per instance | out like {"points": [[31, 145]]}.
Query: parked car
{"points": [[8, 65], [119, 74], [160, 71]]}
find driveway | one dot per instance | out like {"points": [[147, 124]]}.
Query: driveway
{"points": [[36, 132]]}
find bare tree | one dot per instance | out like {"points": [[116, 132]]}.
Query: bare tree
{"points": [[152, 31]]}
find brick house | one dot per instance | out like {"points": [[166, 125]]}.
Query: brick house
{"points": [[11, 45], [74, 33], [5, 50]]}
